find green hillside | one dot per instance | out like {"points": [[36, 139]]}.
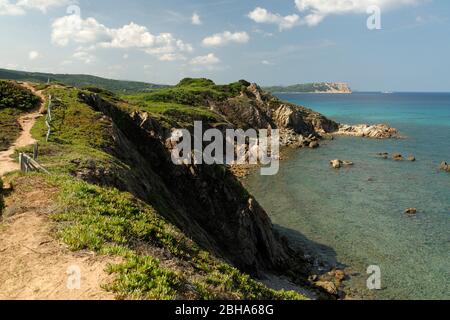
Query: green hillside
{"points": [[117, 86]]}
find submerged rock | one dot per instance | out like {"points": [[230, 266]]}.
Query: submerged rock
{"points": [[411, 211]]}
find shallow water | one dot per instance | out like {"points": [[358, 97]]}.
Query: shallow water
{"points": [[355, 216]]}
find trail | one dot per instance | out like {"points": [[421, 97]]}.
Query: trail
{"points": [[33, 264], [26, 121]]}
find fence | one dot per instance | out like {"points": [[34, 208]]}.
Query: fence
{"points": [[28, 164], [48, 118]]}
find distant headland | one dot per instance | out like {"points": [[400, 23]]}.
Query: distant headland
{"points": [[320, 87]]}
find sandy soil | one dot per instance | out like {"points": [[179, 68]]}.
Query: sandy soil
{"points": [[34, 265], [27, 121]]}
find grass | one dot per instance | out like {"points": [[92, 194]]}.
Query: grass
{"points": [[79, 135], [157, 260], [14, 100], [187, 102], [196, 92], [111, 222]]}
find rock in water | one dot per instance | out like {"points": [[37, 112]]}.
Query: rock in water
{"points": [[411, 211], [379, 131], [445, 166], [347, 163], [314, 145], [336, 164], [397, 157], [411, 158]]}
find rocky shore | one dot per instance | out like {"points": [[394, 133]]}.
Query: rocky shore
{"points": [[378, 131]]}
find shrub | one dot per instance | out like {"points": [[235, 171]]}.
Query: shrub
{"points": [[14, 96]]}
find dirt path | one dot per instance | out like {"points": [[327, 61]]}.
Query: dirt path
{"points": [[26, 121], [33, 264]]}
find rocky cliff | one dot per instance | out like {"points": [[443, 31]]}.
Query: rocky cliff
{"points": [[207, 202], [255, 108]]}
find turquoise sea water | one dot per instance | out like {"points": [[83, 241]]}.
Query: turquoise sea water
{"points": [[355, 216]]}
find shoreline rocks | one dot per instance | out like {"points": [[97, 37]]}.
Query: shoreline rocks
{"points": [[378, 131]]}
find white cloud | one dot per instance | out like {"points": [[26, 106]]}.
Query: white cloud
{"points": [[44, 5], [209, 59], [317, 10], [221, 39], [84, 56], [172, 57], [74, 29], [196, 20], [33, 55], [261, 15], [267, 63], [7, 8]]}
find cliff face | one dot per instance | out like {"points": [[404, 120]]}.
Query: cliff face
{"points": [[207, 202]]}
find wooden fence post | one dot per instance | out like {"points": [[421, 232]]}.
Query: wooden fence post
{"points": [[21, 162], [35, 151]]}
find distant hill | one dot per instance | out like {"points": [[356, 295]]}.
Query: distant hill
{"points": [[79, 80], [322, 87]]}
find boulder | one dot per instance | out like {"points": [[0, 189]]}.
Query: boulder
{"points": [[336, 164], [411, 211], [328, 286], [314, 145]]}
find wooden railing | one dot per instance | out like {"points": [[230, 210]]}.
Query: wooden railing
{"points": [[30, 164], [48, 118]]}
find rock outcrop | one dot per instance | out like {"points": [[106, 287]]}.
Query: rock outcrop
{"points": [[257, 109], [379, 131]]}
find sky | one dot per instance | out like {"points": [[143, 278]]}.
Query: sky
{"points": [[270, 42]]}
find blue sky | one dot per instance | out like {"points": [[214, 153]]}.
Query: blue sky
{"points": [[265, 41]]}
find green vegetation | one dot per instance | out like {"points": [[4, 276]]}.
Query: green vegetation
{"points": [[115, 223], [306, 88], [196, 92], [80, 136], [187, 102], [80, 81], [14, 100], [157, 261]]}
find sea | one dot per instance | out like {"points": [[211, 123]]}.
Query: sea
{"points": [[354, 218]]}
